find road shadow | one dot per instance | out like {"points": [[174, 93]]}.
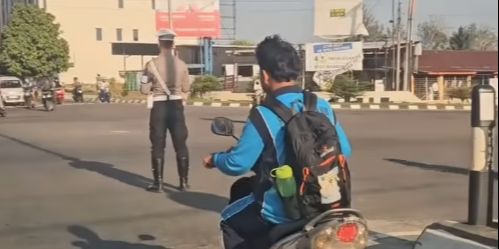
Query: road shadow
{"points": [[234, 121], [388, 242], [197, 200], [434, 167], [203, 201], [431, 167], [110, 171], [91, 240]]}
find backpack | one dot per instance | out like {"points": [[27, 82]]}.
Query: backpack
{"points": [[313, 151]]}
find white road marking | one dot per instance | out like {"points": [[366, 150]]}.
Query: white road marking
{"points": [[120, 132]]}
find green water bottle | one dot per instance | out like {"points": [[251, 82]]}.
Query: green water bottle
{"points": [[286, 186]]}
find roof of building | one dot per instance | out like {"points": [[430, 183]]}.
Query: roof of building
{"points": [[447, 62]]}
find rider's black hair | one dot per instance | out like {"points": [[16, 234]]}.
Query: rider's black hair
{"points": [[279, 59]]}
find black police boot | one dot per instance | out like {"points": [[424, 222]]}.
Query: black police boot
{"points": [[157, 173], [183, 172]]}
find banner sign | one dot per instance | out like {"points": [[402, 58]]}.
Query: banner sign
{"points": [[192, 18], [341, 57], [339, 18]]}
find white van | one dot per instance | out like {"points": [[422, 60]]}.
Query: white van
{"points": [[12, 90]]}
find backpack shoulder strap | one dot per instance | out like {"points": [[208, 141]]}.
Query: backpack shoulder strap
{"points": [[260, 125], [283, 112], [310, 101]]}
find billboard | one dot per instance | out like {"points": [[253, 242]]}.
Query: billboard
{"points": [[339, 18], [337, 56], [192, 18]]}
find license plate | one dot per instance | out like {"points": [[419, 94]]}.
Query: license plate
{"points": [[12, 97]]}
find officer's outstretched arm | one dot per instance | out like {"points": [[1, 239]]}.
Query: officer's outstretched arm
{"points": [[186, 82], [241, 159]]}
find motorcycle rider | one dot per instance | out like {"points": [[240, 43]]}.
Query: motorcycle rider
{"points": [[77, 85], [103, 86], [247, 221], [47, 85]]}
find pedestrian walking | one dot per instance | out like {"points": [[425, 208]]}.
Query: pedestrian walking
{"points": [[166, 82]]}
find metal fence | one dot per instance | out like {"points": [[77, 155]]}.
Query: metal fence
{"points": [[424, 87], [428, 88]]}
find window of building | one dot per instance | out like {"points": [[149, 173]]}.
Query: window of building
{"points": [[245, 70], [153, 4], [135, 35], [98, 34], [121, 4], [119, 34]]}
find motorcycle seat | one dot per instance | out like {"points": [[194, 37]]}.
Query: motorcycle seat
{"points": [[283, 230]]}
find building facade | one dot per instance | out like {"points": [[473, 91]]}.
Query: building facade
{"points": [[108, 37]]}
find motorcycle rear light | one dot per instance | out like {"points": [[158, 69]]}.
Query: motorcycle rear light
{"points": [[347, 233]]}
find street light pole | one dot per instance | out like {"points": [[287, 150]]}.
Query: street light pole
{"points": [[399, 38], [170, 18], [394, 38], [408, 48]]}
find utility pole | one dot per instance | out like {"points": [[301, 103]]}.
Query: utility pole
{"points": [[170, 17], [408, 49], [399, 38], [394, 54]]}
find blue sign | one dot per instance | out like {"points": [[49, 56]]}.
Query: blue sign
{"points": [[328, 48]]}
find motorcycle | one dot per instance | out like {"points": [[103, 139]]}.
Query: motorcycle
{"points": [[78, 95], [333, 229], [28, 97], [59, 96], [48, 100], [104, 96]]}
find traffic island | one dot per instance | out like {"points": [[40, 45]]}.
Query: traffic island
{"points": [[343, 106]]}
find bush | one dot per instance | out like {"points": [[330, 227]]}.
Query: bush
{"points": [[346, 87], [462, 93], [204, 84]]}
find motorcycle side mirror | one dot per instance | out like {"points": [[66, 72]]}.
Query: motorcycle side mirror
{"points": [[222, 127]]}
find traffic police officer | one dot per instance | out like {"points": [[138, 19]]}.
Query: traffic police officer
{"points": [[166, 82]]}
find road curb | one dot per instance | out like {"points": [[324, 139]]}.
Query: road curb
{"points": [[342, 106]]}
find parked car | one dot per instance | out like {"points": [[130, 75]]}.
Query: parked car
{"points": [[12, 90]]}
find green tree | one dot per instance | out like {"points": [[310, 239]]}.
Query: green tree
{"points": [[346, 87], [31, 44], [242, 43], [474, 37], [204, 84], [461, 40], [433, 35]]}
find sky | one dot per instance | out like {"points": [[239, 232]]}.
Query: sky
{"points": [[293, 19]]}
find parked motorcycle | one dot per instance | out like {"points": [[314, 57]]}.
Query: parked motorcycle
{"points": [[334, 229], [78, 95], [48, 100]]}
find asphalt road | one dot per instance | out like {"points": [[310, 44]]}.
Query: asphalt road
{"points": [[74, 178]]}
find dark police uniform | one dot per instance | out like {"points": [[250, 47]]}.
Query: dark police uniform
{"points": [[166, 82]]}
